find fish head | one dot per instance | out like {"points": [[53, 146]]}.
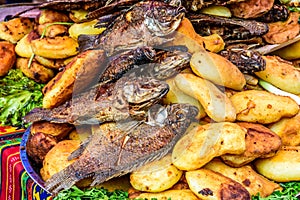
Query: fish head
{"points": [[161, 18], [142, 92], [180, 116], [169, 64]]}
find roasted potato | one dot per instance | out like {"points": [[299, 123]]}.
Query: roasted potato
{"points": [[57, 158], [207, 184], [52, 30], [261, 142], [55, 64], [175, 95], [288, 129], [216, 10], [50, 16], [217, 69], [60, 88], [290, 52], [283, 167], [36, 71], [262, 107], [23, 47], [59, 47], [56, 130], [204, 142], [215, 103], [7, 57], [281, 74], [156, 176], [213, 43], [170, 194], [246, 176], [15, 29], [84, 28]]}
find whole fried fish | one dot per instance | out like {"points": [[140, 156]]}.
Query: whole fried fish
{"points": [[115, 153], [128, 97], [144, 24]]}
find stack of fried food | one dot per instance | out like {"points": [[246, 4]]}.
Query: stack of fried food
{"points": [[245, 139]]}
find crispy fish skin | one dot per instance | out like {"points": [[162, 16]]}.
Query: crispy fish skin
{"points": [[128, 97], [121, 152], [144, 24]]}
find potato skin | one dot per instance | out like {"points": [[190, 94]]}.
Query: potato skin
{"points": [[50, 16], [207, 184], [15, 29], [23, 47], [156, 176], [55, 48], [56, 130], [281, 74], [283, 167], [7, 57], [262, 107], [204, 142], [36, 71]]}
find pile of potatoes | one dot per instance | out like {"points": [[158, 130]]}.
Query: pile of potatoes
{"points": [[245, 140]]}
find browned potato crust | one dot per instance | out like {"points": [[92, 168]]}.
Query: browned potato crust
{"points": [[57, 130], [7, 57], [52, 30], [50, 16]]}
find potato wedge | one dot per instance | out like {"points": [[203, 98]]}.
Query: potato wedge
{"points": [[15, 29], [213, 43], [175, 95], [290, 52], [288, 129], [78, 15], [36, 71], [23, 47], [215, 103], [52, 30], [246, 176], [262, 107], [57, 130], [84, 28], [281, 74], [170, 194], [50, 16], [7, 57], [221, 71], [283, 167], [51, 63], [204, 142], [60, 88], [156, 176], [261, 142], [55, 48], [207, 184]]}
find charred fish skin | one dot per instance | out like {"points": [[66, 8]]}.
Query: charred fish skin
{"points": [[108, 156], [195, 5], [144, 24], [277, 13], [128, 97]]}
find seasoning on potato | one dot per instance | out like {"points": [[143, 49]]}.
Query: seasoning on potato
{"points": [[7, 57]]}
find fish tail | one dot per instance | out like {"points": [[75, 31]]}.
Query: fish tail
{"points": [[37, 114], [86, 42], [62, 180]]}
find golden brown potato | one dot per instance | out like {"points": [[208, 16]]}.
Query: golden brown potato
{"points": [[60, 88], [50, 16], [280, 32], [262, 107], [221, 71], [175, 95], [288, 129], [251, 8], [81, 133], [170, 194], [78, 15], [213, 43], [215, 103], [57, 158], [36, 71], [52, 30], [84, 28], [204, 142], [207, 184], [291, 52], [51, 63], [55, 48], [261, 142], [15, 29], [283, 167], [57, 130], [246, 176], [281, 74], [7, 57], [23, 47]]}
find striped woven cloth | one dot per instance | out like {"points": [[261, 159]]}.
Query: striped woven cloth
{"points": [[15, 183]]}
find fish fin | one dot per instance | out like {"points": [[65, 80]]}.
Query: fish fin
{"points": [[37, 114], [78, 152], [64, 179], [86, 42], [103, 176], [128, 126]]}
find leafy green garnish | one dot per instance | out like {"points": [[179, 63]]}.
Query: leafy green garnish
{"points": [[18, 96], [289, 192]]}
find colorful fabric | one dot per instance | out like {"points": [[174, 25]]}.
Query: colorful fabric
{"points": [[15, 182]]}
